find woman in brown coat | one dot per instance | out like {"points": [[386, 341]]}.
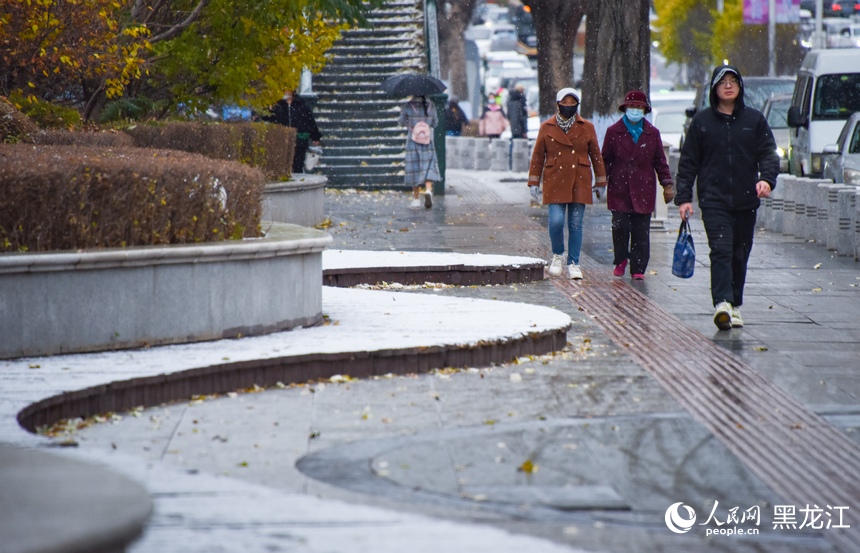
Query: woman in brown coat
{"points": [[633, 152], [565, 154]]}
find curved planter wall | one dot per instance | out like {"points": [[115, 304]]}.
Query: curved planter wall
{"points": [[298, 201], [89, 301]]}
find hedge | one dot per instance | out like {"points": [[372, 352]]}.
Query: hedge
{"points": [[267, 146], [79, 197]]}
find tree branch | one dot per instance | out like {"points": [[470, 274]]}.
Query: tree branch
{"points": [[178, 28]]}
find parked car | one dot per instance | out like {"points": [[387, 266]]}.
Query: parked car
{"points": [[776, 112], [837, 32], [485, 36], [756, 92], [505, 65], [842, 159], [669, 121], [826, 94], [833, 8], [672, 98]]}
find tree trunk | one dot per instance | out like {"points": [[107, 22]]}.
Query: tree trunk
{"points": [[554, 20], [617, 54], [451, 45]]}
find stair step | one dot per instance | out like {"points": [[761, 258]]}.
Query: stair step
{"points": [[346, 122], [360, 62], [384, 70], [369, 50], [369, 170], [333, 141], [354, 153], [366, 160]]}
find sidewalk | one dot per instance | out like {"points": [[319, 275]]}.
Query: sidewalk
{"points": [[582, 450]]}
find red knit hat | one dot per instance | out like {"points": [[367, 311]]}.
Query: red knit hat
{"points": [[635, 99]]}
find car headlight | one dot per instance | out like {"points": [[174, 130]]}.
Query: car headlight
{"points": [[780, 151], [851, 176]]}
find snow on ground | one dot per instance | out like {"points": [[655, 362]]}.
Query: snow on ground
{"points": [[355, 259], [357, 320]]}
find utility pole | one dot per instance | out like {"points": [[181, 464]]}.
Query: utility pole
{"points": [[819, 41], [771, 37]]}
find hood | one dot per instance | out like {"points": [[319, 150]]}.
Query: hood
{"points": [[716, 76]]}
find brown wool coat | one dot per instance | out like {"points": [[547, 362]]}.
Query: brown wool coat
{"points": [[564, 162]]}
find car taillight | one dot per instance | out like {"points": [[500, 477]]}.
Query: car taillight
{"points": [[836, 7]]}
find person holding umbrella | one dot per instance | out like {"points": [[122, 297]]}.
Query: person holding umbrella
{"points": [[418, 115]]}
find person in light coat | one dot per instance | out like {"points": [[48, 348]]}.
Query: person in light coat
{"points": [[566, 160], [634, 157]]}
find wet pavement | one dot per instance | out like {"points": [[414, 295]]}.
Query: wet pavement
{"points": [[648, 406]]}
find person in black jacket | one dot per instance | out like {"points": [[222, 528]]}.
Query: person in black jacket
{"points": [[292, 111], [455, 117], [518, 115], [731, 155]]}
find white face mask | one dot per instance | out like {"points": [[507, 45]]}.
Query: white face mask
{"points": [[634, 115]]}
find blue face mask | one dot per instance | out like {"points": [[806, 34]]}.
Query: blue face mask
{"points": [[634, 115]]}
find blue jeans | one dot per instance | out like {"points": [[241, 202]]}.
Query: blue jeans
{"points": [[575, 213]]}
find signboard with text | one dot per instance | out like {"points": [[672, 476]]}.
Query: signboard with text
{"points": [[756, 11]]}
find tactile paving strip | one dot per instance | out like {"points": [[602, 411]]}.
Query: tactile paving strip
{"points": [[798, 454]]}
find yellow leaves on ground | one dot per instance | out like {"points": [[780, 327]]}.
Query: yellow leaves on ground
{"points": [[528, 467]]}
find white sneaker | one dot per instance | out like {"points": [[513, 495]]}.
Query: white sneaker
{"points": [[416, 203], [737, 321], [428, 199], [723, 315], [555, 265], [574, 272]]}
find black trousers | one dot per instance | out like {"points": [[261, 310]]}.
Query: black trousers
{"points": [[300, 153], [730, 237], [631, 238]]}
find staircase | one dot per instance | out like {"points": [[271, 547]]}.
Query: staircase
{"points": [[363, 145]]}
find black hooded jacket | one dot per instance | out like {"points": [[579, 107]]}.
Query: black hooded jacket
{"points": [[726, 155], [297, 115]]}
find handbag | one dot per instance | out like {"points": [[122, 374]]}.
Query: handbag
{"points": [[684, 260], [312, 157]]}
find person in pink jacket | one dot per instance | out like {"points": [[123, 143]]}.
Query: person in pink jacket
{"points": [[633, 155]]}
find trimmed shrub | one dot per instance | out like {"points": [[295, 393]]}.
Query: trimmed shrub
{"points": [[73, 197], [124, 109], [267, 146], [102, 139], [14, 125], [47, 115]]}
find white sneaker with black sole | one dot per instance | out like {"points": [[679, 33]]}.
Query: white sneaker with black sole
{"points": [[555, 265], [723, 316], [737, 321]]}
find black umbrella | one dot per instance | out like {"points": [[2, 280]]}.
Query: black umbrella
{"points": [[412, 84]]}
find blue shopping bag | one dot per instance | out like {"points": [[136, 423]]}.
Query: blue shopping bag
{"points": [[684, 260]]}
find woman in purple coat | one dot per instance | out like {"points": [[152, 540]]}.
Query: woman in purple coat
{"points": [[632, 153]]}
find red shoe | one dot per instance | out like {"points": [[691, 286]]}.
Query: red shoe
{"points": [[638, 276], [620, 268]]}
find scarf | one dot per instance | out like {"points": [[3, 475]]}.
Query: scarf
{"points": [[635, 130], [565, 125]]}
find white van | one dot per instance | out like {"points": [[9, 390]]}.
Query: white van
{"points": [[826, 93]]}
